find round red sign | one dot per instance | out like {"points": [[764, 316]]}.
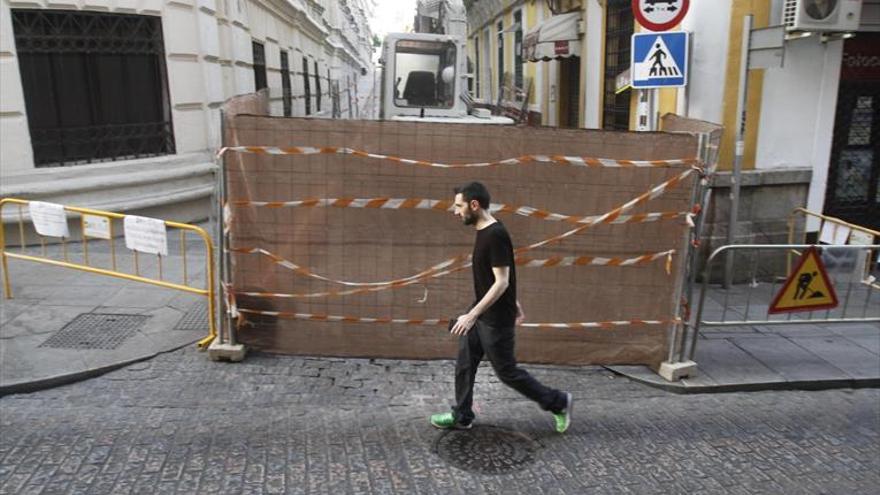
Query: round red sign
{"points": [[660, 15]]}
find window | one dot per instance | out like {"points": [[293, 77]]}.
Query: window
{"points": [[95, 86], [517, 52], [259, 66], [308, 95], [285, 84], [317, 88], [424, 74], [618, 32], [477, 65], [500, 27]]}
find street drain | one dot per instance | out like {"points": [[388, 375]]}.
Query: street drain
{"points": [[96, 331], [486, 449], [196, 318]]}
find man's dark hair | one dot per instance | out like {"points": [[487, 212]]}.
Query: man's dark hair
{"points": [[475, 190]]}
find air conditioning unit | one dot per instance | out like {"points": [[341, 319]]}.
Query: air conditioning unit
{"points": [[821, 15]]}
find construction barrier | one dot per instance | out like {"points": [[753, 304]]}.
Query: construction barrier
{"points": [[333, 246], [98, 226], [833, 230]]}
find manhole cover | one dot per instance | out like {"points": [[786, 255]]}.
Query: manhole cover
{"points": [[196, 318], [486, 449], [96, 331]]}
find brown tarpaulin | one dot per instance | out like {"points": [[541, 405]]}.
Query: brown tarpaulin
{"points": [[369, 245]]}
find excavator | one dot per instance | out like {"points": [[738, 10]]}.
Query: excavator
{"points": [[424, 73]]}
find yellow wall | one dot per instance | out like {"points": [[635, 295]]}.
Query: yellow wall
{"points": [[530, 18], [760, 9]]}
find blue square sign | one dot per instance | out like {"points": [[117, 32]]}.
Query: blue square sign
{"points": [[659, 60]]}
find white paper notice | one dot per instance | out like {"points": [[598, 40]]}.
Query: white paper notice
{"points": [[96, 226], [49, 219], [833, 233], [146, 235], [860, 238]]}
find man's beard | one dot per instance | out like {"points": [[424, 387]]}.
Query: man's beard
{"points": [[469, 218]]}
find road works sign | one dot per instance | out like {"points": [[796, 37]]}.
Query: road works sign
{"points": [[659, 60], [808, 288], [660, 15]]}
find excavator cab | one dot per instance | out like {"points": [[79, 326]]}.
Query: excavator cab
{"points": [[424, 76]]}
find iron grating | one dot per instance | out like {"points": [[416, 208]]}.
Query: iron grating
{"points": [[486, 449], [96, 331], [196, 317]]}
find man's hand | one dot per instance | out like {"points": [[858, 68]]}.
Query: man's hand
{"points": [[463, 324], [520, 316]]}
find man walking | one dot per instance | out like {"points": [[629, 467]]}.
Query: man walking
{"points": [[488, 328]]}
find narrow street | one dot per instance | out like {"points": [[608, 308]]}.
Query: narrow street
{"points": [[180, 423]]}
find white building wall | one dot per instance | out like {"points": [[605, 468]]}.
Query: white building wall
{"points": [[797, 113], [592, 69], [208, 57], [16, 154], [709, 23]]}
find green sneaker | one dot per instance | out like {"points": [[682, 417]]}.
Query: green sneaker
{"points": [[563, 418], [446, 421]]}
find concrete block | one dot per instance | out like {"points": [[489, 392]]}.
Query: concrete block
{"points": [[7, 38], [673, 372], [189, 129], [126, 5], [182, 22], [153, 7], [16, 158], [97, 5], [226, 352], [186, 80]]}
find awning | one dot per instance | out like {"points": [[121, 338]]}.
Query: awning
{"points": [[557, 37]]}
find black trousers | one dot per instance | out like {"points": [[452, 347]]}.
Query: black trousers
{"points": [[498, 345]]}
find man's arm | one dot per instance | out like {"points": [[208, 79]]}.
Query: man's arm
{"points": [[466, 321]]}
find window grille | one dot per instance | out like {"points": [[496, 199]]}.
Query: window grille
{"points": [[259, 66], [618, 33], [306, 88], [285, 84], [95, 86]]}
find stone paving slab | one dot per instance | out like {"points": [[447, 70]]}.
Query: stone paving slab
{"points": [[789, 359], [844, 354]]}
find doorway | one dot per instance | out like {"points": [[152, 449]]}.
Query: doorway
{"points": [[853, 189]]}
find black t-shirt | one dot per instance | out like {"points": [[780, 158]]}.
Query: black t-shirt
{"points": [[493, 247]]}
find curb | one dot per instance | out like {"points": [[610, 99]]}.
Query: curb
{"points": [[77, 376], [753, 387]]}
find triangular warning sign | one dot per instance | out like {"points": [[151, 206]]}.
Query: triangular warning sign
{"points": [[658, 62], [808, 288]]}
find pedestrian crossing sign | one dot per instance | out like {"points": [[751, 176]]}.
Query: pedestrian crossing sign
{"points": [[659, 60], [808, 288]]}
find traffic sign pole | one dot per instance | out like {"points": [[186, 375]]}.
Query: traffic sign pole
{"points": [[740, 148]]}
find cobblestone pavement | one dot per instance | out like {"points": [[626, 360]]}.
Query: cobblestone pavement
{"points": [[279, 424]]}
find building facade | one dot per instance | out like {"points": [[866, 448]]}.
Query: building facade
{"points": [[115, 104], [812, 126]]}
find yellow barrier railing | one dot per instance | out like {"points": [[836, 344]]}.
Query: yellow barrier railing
{"points": [[822, 220], [208, 291]]}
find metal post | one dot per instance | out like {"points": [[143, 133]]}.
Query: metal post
{"points": [[221, 239], [706, 197], [688, 249], [740, 147]]}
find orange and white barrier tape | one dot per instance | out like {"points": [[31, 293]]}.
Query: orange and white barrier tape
{"points": [[445, 321], [591, 260], [614, 214], [446, 205], [308, 273], [601, 324], [428, 274], [580, 161], [609, 217]]}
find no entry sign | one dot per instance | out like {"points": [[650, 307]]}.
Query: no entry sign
{"points": [[659, 15]]}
